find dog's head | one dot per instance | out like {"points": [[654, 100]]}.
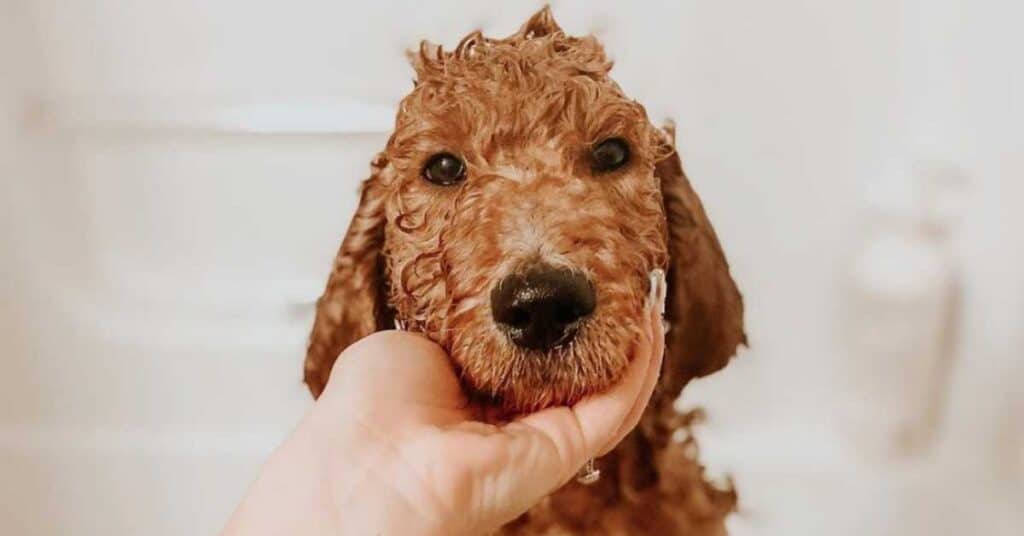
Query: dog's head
{"points": [[514, 218]]}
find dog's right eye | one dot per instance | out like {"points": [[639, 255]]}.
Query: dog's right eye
{"points": [[445, 169], [610, 154]]}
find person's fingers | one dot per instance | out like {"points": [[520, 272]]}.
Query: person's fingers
{"points": [[657, 349], [579, 432], [655, 331], [545, 449], [514, 468]]}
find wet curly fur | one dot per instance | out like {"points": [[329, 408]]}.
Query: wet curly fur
{"points": [[522, 113]]}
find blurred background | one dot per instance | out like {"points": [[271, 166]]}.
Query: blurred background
{"points": [[175, 178]]}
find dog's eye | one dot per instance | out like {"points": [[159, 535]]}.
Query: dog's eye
{"points": [[444, 169], [610, 154]]}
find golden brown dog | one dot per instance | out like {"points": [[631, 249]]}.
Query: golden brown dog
{"points": [[514, 217]]}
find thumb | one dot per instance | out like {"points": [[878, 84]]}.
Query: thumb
{"points": [[394, 368]]}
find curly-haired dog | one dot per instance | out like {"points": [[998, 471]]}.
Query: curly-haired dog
{"points": [[513, 218]]}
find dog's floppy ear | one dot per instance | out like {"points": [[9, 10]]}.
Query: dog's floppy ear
{"points": [[704, 309], [354, 304]]}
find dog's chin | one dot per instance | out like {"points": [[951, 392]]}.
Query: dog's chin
{"points": [[531, 399], [524, 382]]}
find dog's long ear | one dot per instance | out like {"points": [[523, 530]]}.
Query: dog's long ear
{"points": [[704, 308], [354, 304]]}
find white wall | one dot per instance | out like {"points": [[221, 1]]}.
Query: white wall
{"points": [[176, 177]]}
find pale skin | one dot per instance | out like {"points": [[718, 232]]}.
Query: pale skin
{"points": [[393, 446]]}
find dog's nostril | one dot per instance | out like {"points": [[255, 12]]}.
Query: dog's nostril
{"points": [[542, 309], [566, 313], [518, 317]]}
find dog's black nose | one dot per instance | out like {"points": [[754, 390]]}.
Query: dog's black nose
{"points": [[542, 308]]}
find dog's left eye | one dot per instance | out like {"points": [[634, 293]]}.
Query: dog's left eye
{"points": [[610, 154], [445, 169]]}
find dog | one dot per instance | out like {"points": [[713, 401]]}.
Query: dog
{"points": [[514, 217]]}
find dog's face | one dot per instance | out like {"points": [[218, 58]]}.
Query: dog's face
{"points": [[524, 216], [514, 218]]}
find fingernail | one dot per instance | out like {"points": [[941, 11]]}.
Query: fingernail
{"points": [[656, 294]]}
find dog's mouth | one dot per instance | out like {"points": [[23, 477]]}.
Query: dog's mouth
{"points": [[547, 339], [543, 308]]}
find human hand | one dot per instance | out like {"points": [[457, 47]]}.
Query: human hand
{"points": [[393, 446]]}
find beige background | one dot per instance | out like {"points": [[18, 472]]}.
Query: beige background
{"points": [[175, 176]]}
